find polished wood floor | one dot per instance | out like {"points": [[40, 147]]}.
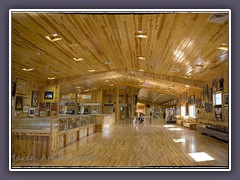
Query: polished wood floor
{"points": [[130, 144]]}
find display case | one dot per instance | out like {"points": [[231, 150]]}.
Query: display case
{"points": [[41, 124], [84, 120]]}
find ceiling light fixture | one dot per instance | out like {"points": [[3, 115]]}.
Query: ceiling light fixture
{"points": [[141, 58], [51, 78], [187, 86], [91, 70], [54, 37], [141, 34], [200, 66], [223, 46], [141, 70], [108, 62], [111, 85], [26, 69], [78, 59], [107, 80], [78, 87]]}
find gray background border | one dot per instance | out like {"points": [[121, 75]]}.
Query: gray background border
{"points": [[5, 5]]}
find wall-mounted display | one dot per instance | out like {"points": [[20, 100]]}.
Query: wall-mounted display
{"points": [[31, 112], [25, 109], [205, 91], [198, 103], [21, 86], [214, 85], [210, 95], [42, 114], [48, 95], [191, 99], [218, 112], [226, 112], [221, 81], [35, 98], [225, 99], [26, 100], [13, 88], [19, 103], [36, 112], [209, 107], [48, 105], [42, 106], [54, 106], [203, 105]]}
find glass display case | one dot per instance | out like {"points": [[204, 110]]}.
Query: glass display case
{"points": [[45, 124], [84, 120]]}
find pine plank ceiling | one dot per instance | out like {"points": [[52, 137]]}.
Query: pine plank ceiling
{"points": [[177, 45]]}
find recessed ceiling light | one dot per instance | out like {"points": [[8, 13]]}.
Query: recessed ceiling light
{"points": [[51, 78], [186, 77], [78, 59], [38, 53], [223, 46], [26, 69], [54, 37], [111, 85], [141, 81], [200, 66], [78, 87], [107, 62], [86, 90], [141, 58], [141, 70], [141, 34], [187, 86], [91, 70], [107, 80]]}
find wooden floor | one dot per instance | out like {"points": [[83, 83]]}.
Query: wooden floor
{"points": [[130, 144]]}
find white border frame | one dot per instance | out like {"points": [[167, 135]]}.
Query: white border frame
{"points": [[120, 11]]}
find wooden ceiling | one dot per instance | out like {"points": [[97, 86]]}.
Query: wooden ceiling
{"points": [[176, 43]]}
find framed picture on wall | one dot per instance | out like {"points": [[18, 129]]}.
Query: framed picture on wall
{"points": [[42, 106], [19, 103], [210, 95], [205, 91], [36, 112], [42, 113], [214, 86], [198, 103], [48, 105], [21, 86], [31, 112], [48, 95], [218, 112], [25, 109], [226, 112], [13, 88], [54, 106], [203, 105], [34, 98], [225, 99]]}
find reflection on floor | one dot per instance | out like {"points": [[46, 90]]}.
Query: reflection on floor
{"points": [[131, 144]]}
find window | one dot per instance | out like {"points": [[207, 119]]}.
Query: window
{"points": [[217, 98], [183, 111], [192, 111]]}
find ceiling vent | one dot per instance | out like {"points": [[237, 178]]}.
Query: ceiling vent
{"points": [[218, 18]]}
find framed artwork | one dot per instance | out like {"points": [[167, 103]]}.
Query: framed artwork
{"points": [[203, 105], [191, 99], [34, 99], [48, 113], [32, 112], [42, 113], [214, 85], [54, 106], [21, 86], [198, 103], [13, 88], [209, 107], [225, 99], [218, 112], [26, 100], [42, 106], [25, 109], [19, 103], [48, 105], [36, 112], [226, 112], [210, 95], [205, 91], [48, 95]]}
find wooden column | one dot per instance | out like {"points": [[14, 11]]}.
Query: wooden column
{"points": [[76, 101], [57, 98], [117, 112]]}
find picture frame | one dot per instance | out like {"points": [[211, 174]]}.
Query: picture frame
{"points": [[205, 91], [203, 106], [54, 106], [48, 105], [42, 113], [25, 109], [214, 85], [31, 112], [210, 95], [225, 99], [19, 103], [226, 112], [198, 103], [42, 106], [218, 112], [35, 96], [13, 88], [36, 112], [209, 107], [21, 86], [48, 95]]}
